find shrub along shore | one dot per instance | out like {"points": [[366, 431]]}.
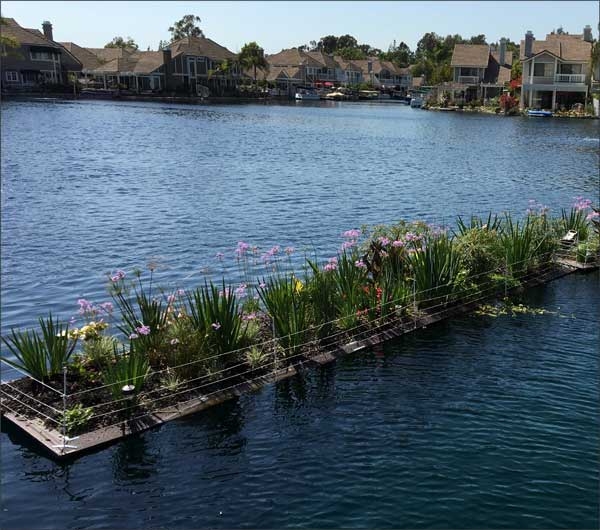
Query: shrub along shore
{"points": [[147, 348]]}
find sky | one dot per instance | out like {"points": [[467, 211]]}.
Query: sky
{"points": [[279, 25]]}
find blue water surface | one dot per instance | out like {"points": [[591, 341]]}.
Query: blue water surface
{"points": [[476, 422]]}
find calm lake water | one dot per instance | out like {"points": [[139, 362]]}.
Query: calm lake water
{"points": [[476, 422]]}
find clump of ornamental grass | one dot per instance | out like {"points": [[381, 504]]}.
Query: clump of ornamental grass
{"points": [[287, 303], [144, 317], [128, 368], [216, 315], [42, 354]]}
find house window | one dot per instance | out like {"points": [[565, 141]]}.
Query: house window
{"points": [[12, 77], [43, 56], [539, 69], [570, 69]]}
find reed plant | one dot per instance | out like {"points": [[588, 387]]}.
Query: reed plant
{"points": [[41, 355], [350, 278], [287, 303], [321, 289], [127, 369], [435, 268], [575, 219], [519, 244], [216, 315]]}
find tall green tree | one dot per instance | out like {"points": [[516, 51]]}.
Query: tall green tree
{"points": [[328, 44], [253, 56], [187, 26], [120, 42], [7, 44]]}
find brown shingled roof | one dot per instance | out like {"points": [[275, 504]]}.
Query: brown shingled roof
{"points": [[25, 36], [200, 47], [88, 60], [563, 46], [473, 55], [293, 57]]}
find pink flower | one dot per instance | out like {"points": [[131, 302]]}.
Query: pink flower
{"points": [[384, 241], [360, 264], [119, 275], [592, 215], [262, 285], [216, 326], [289, 250], [107, 307], [133, 336], [353, 234], [143, 330], [241, 290], [180, 292], [171, 298], [226, 293], [348, 244], [398, 243], [219, 256]]}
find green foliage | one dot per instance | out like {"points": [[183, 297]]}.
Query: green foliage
{"points": [[351, 298], [519, 244], [321, 289], [435, 269], [287, 303], [252, 56], [187, 26], [127, 369], [120, 42], [99, 351], [255, 357], [480, 249], [76, 418], [575, 219], [187, 349], [142, 311], [40, 355], [216, 316]]}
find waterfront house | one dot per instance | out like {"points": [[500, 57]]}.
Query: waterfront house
{"points": [[555, 69], [384, 74], [192, 65], [308, 70], [350, 72], [479, 71], [38, 60]]}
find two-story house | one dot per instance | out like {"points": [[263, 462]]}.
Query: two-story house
{"points": [[479, 71], [37, 61], [555, 70]]}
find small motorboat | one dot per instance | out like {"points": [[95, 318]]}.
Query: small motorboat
{"points": [[540, 113], [304, 94], [416, 102]]}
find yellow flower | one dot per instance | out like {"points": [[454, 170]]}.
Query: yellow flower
{"points": [[298, 286]]}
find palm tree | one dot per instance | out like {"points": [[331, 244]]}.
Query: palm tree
{"points": [[253, 56]]}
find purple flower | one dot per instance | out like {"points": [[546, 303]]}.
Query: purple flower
{"points": [[119, 275], [592, 215], [581, 203], [219, 256], [226, 293], [171, 298], [143, 330], [85, 306], [133, 336], [331, 264], [353, 234], [360, 264], [384, 241], [249, 316], [348, 244], [289, 250], [262, 285], [398, 243], [180, 292], [216, 326], [107, 307], [241, 290], [242, 248]]}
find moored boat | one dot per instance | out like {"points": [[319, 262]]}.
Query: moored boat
{"points": [[307, 94], [416, 102], [539, 113]]}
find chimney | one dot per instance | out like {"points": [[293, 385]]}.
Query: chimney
{"points": [[502, 54], [587, 34], [47, 28], [529, 43], [167, 67]]}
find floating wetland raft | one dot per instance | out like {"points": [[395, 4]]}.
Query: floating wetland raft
{"points": [[401, 279]]}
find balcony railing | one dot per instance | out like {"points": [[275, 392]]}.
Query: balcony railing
{"points": [[468, 79], [573, 79], [570, 78]]}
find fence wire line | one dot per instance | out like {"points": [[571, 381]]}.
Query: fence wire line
{"points": [[32, 398], [386, 322], [273, 342], [33, 378], [28, 406]]}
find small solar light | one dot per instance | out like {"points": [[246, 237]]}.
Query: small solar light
{"points": [[128, 390]]}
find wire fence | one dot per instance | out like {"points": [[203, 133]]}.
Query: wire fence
{"points": [[394, 317]]}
